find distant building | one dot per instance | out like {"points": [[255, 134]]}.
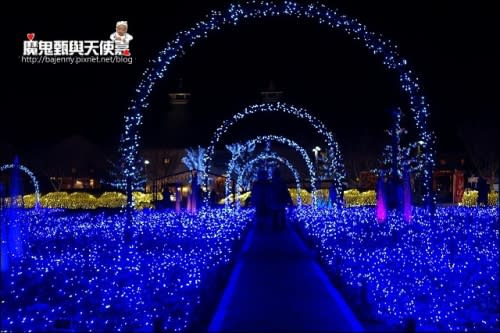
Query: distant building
{"points": [[450, 177], [75, 164], [165, 148]]}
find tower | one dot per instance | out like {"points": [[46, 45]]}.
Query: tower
{"points": [[180, 97], [178, 122], [271, 95]]}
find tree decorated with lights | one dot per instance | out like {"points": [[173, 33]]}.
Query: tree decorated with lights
{"points": [[325, 171], [399, 160], [240, 153], [194, 161], [119, 177]]}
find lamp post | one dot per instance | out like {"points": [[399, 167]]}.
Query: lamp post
{"points": [[316, 150], [420, 143], [146, 163]]}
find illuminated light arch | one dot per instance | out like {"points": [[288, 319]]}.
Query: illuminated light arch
{"points": [[31, 175], [249, 10], [273, 156], [282, 140], [337, 165]]}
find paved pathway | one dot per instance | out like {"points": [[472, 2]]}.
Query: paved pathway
{"points": [[276, 286]]}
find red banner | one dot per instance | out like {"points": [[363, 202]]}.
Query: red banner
{"points": [[458, 186]]}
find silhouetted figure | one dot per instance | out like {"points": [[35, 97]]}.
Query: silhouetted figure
{"points": [[410, 325], [184, 201], [260, 200], [332, 195], [167, 199], [178, 198], [393, 188], [482, 192], [163, 203], [214, 198], [279, 199]]}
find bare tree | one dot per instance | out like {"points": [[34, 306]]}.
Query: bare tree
{"points": [[482, 145], [361, 154]]}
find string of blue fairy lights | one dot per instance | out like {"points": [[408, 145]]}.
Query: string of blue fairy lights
{"points": [[77, 268], [280, 139], [443, 275], [252, 10], [271, 156], [337, 165], [30, 174]]}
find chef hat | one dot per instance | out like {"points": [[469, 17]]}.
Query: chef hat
{"points": [[122, 23]]}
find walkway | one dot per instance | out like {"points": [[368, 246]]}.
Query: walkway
{"points": [[277, 286]]}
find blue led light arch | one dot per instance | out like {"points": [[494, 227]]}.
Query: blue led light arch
{"points": [[282, 140], [337, 165], [236, 13], [30, 174], [273, 156]]}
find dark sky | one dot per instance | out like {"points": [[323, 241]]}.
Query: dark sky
{"points": [[453, 48]]}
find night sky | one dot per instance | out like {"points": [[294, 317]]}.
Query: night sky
{"points": [[452, 47]]}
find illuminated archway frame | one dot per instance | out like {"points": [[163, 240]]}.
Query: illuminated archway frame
{"points": [[283, 140], [260, 9], [337, 165], [272, 156], [31, 175]]}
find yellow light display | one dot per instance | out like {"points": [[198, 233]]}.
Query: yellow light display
{"points": [[82, 200], [470, 198], [355, 198], [351, 197]]}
